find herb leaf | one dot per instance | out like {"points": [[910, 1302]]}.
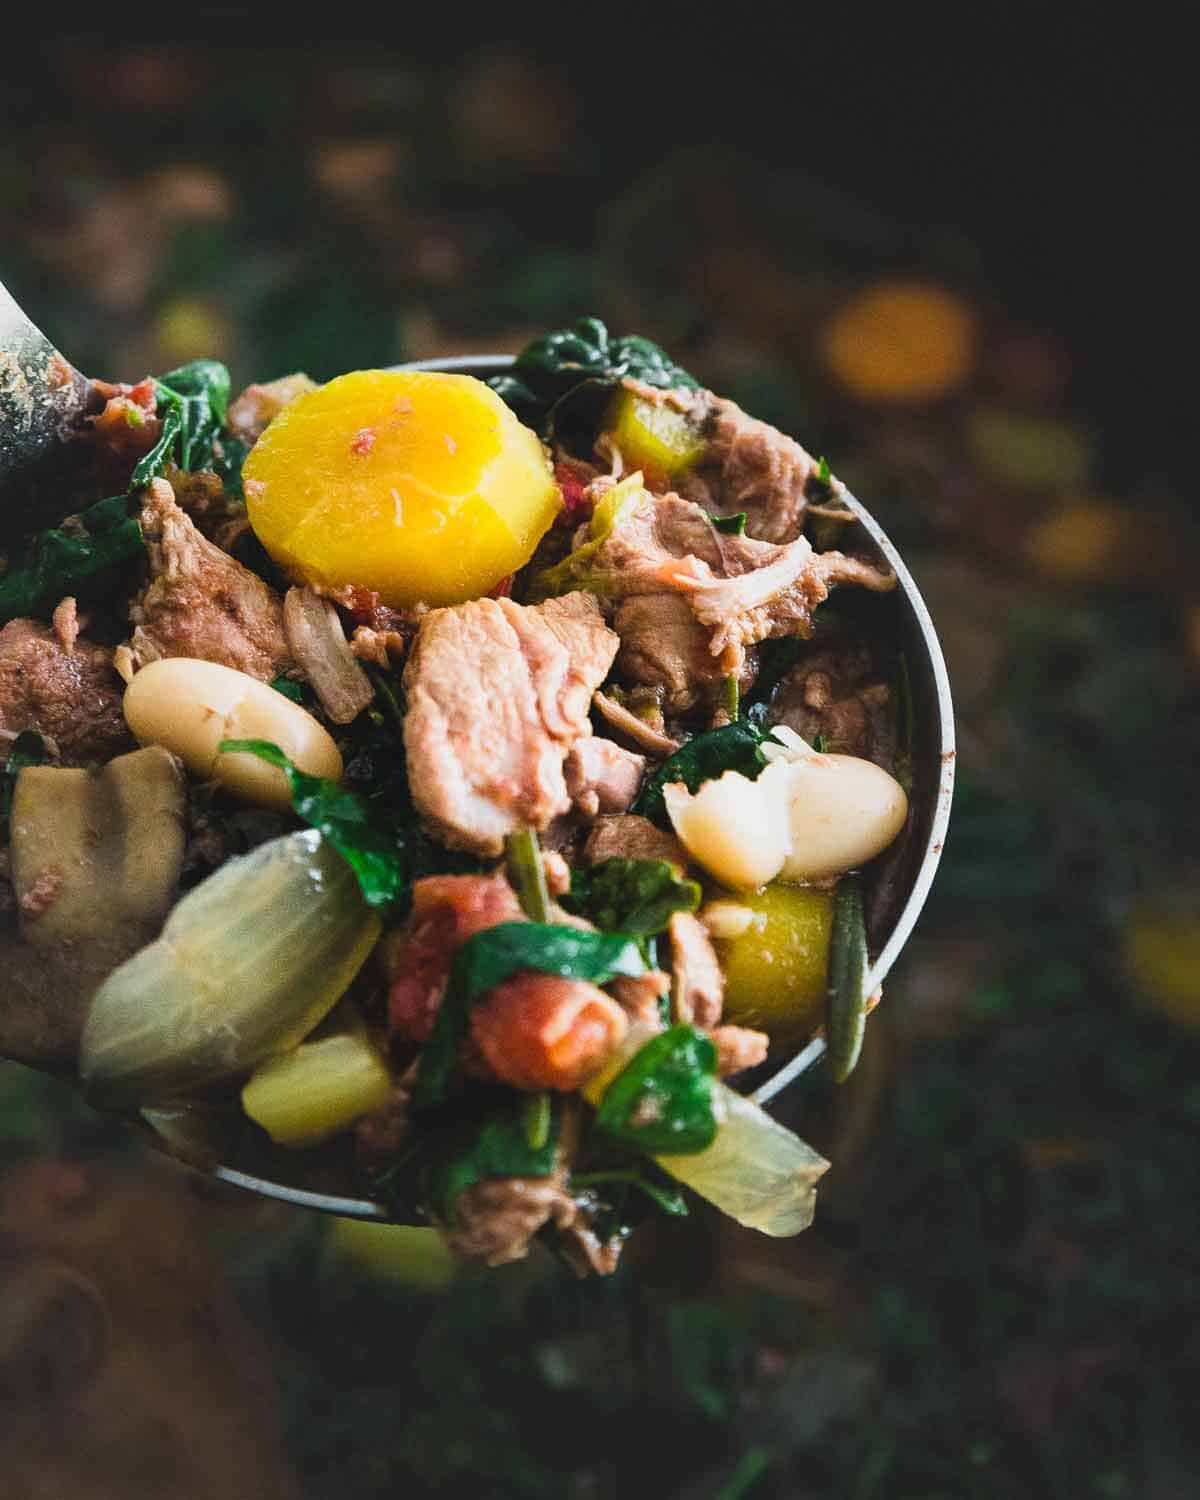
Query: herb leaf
{"points": [[28, 749], [734, 747], [734, 525], [662, 1100], [192, 402], [373, 852], [61, 562], [637, 896], [488, 958], [550, 366], [495, 1144]]}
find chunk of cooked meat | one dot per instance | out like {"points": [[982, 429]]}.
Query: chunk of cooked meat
{"points": [[541, 1031], [628, 836], [738, 1047], [72, 697], [693, 599], [837, 691], [639, 995], [663, 645], [697, 983], [497, 693], [601, 776], [258, 405], [495, 1220], [200, 601]]}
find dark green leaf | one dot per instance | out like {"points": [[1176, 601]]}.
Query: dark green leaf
{"points": [[669, 1199], [192, 403], [495, 1145], [776, 658], [28, 749], [734, 525], [846, 1007], [488, 958], [290, 688], [372, 851], [662, 1100], [735, 747], [637, 896], [550, 366], [76, 561]]}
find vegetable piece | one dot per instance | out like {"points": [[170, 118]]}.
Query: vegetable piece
{"points": [[662, 1100], [527, 873], [28, 749], [755, 1170], [637, 896], [575, 571], [776, 967], [550, 366], [736, 828], [658, 438], [190, 707], [423, 487], [733, 525], [494, 1142], [79, 562], [317, 1090], [97, 854], [192, 402], [842, 811], [734, 747], [846, 1004], [246, 965], [490, 957], [318, 643]]}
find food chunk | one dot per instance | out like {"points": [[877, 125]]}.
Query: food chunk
{"points": [[497, 694], [68, 693], [601, 776], [423, 487], [200, 602]]}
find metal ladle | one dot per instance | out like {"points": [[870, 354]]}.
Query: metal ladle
{"points": [[37, 407]]}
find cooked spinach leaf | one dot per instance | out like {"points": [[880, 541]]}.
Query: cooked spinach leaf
{"points": [[493, 1143], [734, 525], [289, 687], [669, 1199], [550, 366], [734, 747], [76, 560], [192, 402], [637, 896], [28, 749], [662, 1100], [487, 959]]}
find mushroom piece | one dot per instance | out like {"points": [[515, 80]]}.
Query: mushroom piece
{"points": [[96, 857]]}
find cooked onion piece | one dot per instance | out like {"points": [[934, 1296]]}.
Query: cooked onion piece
{"points": [[246, 966]]}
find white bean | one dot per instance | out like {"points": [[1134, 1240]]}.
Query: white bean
{"points": [[842, 811], [190, 706], [733, 826]]}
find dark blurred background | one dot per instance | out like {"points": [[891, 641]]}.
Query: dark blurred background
{"points": [[959, 262]]}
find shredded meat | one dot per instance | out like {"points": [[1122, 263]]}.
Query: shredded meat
{"points": [[697, 983], [258, 405], [200, 601], [837, 691], [643, 734], [71, 697], [628, 836], [602, 777], [385, 648], [495, 1220], [380, 1135], [738, 1048], [497, 693], [639, 996], [692, 600]]}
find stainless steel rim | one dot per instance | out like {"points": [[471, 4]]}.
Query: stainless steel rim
{"points": [[943, 737]]}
